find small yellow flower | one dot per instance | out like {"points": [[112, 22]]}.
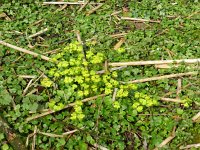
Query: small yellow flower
{"points": [[68, 80], [46, 82], [73, 116], [80, 116], [116, 105]]}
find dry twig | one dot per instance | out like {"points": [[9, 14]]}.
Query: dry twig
{"points": [[83, 6], [118, 35], [162, 77], [155, 62], [119, 43], [94, 9], [38, 33], [99, 147], [27, 87], [34, 137], [190, 146], [140, 20], [67, 3], [196, 117], [171, 100], [58, 135], [24, 50]]}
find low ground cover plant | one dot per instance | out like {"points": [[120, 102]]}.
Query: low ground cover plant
{"points": [[77, 99]]}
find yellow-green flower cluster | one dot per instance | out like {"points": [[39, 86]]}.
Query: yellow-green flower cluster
{"points": [[46, 82], [186, 102], [78, 113], [123, 90], [72, 70], [116, 104], [143, 100], [120, 50], [52, 105]]}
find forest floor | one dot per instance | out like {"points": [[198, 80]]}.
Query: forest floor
{"points": [[116, 74]]}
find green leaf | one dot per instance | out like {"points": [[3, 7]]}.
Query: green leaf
{"points": [[5, 147]]}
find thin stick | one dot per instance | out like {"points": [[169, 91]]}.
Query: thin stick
{"points": [[58, 135], [67, 106], [119, 35], [25, 90], [99, 147], [94, 9], [27, 139], [38, 33], [140, 20], [179, 86], [119, 43], [196, 117], [24, 50], [154, 62], [190, 146], [27, 76], [114, 94], [171, 100], [34, 138], [68, 3], [84, 5], [112, 69], [162, 77]]}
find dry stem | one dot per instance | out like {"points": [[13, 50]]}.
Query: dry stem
{"points": [[162, 77], [140, 20], [94, 9], [24, 50], [58, 135], [38, 33], [68, 3], [196, 117], [190, 146], [171, 100], [119, 43], [154, 62]]}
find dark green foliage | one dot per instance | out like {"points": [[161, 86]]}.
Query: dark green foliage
{"points": [[177, 36]]}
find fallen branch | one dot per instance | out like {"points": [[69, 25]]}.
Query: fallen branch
{"points": [[155, 62], [99, 147], [27, 76], [112, 69], [162, 77], [94, 9], [196, 117], [119, 43], [118, 35], [57, 135], [67, 106], [84, 5], [38, 33], [140, 20], [68, 3], [190, 146], [24, 50], [171, 100]]}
